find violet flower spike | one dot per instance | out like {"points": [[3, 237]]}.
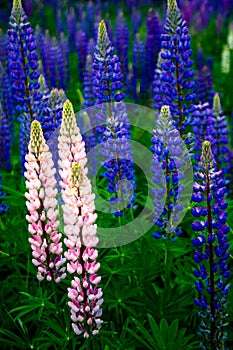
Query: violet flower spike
{"points": [[211, 252]]}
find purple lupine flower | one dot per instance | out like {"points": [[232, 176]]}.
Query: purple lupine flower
{"points": [[205, 92], [167, 154], [152, 43], [122, 43], [3, 207], [6, 97], [220, 136], [203, 127], [211, 252], [41, 202], [81, 47], [88, 92], [177, 84], [23, 65], [5, 156], [80, 228], [139, 68], [59, 22], [116, 135], [136, 19], [91, 47], [64, 46], [71, 23]]}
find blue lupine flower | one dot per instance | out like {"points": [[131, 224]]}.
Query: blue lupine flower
{"points": [[63, 44], [204, 85], [122, 43], [6, 97], [88, 92], [23, 65], [203, 127], [139, 68], [81, 47], [71, 27], [177, 85], [211, 252], [167, 152], [116, 135], [3, 207], [5, 157], [152, 43]]}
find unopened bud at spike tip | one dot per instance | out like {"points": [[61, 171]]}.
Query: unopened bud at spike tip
{"points": [[37, 141], [17, 8], [172, 8], [217, 104], [102, 34], [207, 158]]}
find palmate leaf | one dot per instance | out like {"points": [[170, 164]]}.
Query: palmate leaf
{"points": [[31, 304], [163, 337], [11, 339]]}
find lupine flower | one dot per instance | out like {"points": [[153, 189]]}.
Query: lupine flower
{"points": [[152, 43], [5, 156], [6, 97], [3, 207], [167, 154], [203, 127], [41, 202], [63, 44], [136, 20], [116, 135], [91, 47], [225, 60], [81, 47], [204, 86], [211, 250], [107, 85], [88, 87], [139, 68], [122, 43], [71, 27], [177, 84], [23, 64], [80, 228], [220, 137]]}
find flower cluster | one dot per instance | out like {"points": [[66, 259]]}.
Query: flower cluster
{"points": [[41, 202], [211, 250], [23, 66], [122, 43], [79, 228], [167, 162], [116, 135], [177, 85], [152, 44], [139, 68]]}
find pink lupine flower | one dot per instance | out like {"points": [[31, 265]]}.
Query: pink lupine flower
{"points": [[41, 203], [80, 229]]}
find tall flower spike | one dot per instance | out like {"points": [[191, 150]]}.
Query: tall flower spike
{"points": [[23, 67], [211, 252], [80, 228], [177, 85], [116, 135], [220, 136], [41, 202], [167, 149]]}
